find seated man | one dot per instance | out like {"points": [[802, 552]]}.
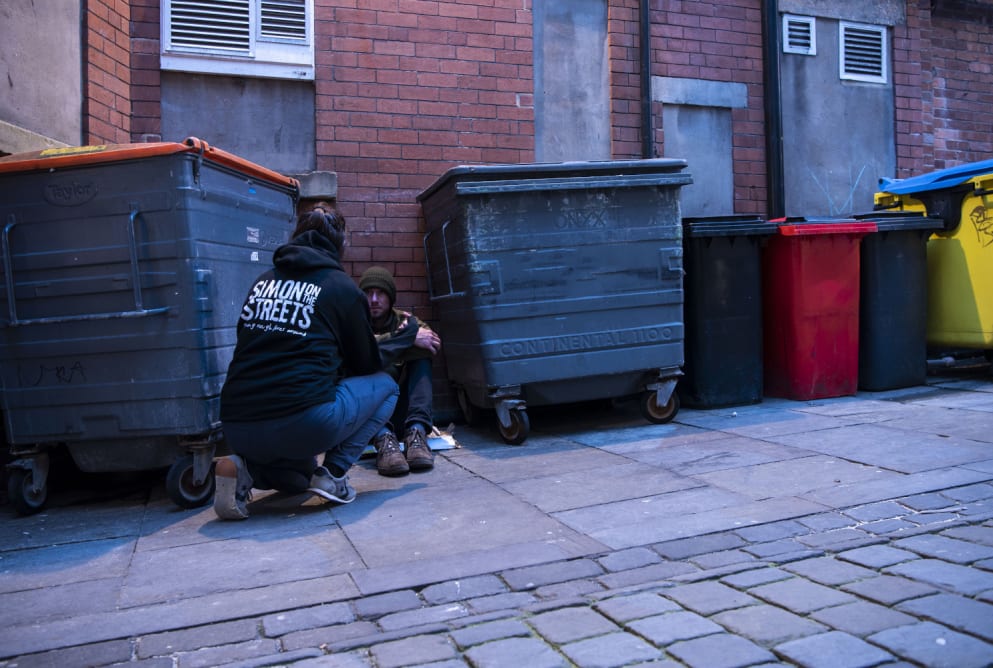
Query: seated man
{"points": [[406, 346]]}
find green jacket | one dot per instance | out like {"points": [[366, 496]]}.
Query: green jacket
{"points": [[396, 341]]}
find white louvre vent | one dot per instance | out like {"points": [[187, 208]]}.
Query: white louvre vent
{"points": [[286, 19], [863, 51], [799, 35], [211, 24], [265, 38]]}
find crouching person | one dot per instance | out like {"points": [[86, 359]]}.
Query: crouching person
{"points": [[306, 377], [407, 346]]}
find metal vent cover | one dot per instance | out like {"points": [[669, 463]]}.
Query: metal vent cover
{"points": [[799, 35], [211, 24], [863, 51], [283, 19]]}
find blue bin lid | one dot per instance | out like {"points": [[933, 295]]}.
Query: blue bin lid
{"points": [[938, 180]]}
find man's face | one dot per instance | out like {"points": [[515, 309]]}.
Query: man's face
{"points": [[379, 302]]}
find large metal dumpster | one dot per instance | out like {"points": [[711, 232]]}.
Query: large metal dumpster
{"points": [[124, 271], [558, 283]]}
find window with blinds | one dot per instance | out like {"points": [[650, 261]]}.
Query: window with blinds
{"points": [[266, 38]]}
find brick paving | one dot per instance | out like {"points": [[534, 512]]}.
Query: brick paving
{"points": [[900, 581]]}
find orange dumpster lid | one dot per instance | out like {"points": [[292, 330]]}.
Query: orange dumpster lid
{"points": [[76, 156]]}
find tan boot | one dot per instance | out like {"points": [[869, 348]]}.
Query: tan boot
{"points": [[389, 460], [419, 455]]}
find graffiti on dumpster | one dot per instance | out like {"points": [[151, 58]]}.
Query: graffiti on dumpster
{"points": [[56, 375], [980, 217]]}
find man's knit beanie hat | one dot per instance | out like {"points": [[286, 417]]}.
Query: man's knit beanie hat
{"points": [[379, 277]]}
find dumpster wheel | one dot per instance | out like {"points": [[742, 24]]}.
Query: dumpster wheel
{"points": [[659, 414], [26, 501], [518, 430], [182, 487], [470, 413]]}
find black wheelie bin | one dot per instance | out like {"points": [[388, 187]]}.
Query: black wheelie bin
{"points": [[558, 283], [723, 311], [893, 300], [124, 271]]}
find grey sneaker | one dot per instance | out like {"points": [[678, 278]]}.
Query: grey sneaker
{"points": [[419, 455], [389, 460], [324, 484], [233, 488]]}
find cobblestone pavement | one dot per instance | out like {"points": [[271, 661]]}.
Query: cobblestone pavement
{"points": [[857, 532]]}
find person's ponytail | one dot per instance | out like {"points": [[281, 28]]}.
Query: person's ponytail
{"points": [[326, 220]]}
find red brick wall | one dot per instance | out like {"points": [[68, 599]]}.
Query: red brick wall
{"points": [[720, 41], [962, 61], [405, 90], [914, 99], [108, 72], [624, 34], [146, 91]]}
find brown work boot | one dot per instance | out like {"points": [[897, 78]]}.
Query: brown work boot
{"points": [[419, 455], [389, 460]]}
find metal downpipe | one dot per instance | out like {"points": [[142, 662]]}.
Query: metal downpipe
{"points": [[775, 170], [647, 122]]}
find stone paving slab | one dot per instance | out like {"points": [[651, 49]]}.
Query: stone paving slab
{"points": [[892, 448], [784, 533]]}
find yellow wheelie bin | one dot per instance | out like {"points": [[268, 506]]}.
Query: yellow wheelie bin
{"points": [[959, 256]]}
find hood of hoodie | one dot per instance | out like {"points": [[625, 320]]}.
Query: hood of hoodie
{"points": [[311, 250]]}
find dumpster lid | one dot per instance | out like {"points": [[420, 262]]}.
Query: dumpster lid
{"points": [[938, 180], [77, 156], [795, 227], [891, 221], [554, 169], [726, 226]]}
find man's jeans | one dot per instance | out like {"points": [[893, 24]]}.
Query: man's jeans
{"points": [[415, 405], [281, 452]]}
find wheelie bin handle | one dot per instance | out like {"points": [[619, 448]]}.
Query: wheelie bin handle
{"points": [[138, 311], [434, 295]]}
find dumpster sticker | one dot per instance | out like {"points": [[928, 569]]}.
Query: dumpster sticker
{"points": [[980, 217], [72, 150], [254, 235]]}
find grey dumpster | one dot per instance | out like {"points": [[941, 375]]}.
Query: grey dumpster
{"points": [[557, 283], [124, 271]]}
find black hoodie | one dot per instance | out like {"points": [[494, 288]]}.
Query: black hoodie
{"points": [[300, 323]]}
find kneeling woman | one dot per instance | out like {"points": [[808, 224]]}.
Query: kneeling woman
{"points": [[305, 378]]}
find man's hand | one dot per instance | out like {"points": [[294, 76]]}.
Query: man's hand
{"points": [[428, 340]]}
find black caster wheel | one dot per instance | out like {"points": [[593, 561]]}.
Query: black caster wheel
{"points": [[469, 412], [655, 413], [181, 487], [518, 430], [26, 501]]}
